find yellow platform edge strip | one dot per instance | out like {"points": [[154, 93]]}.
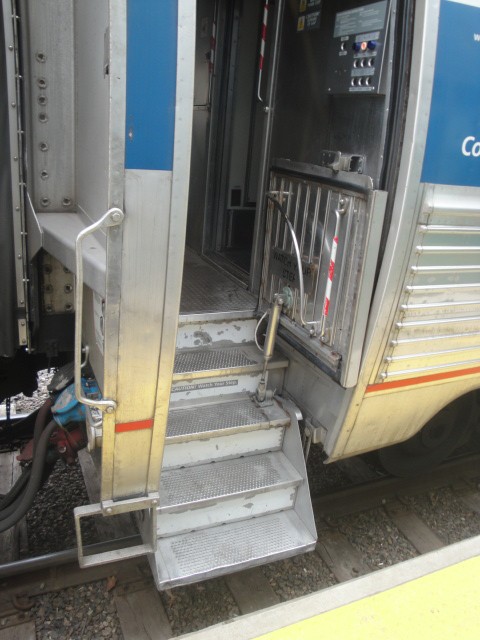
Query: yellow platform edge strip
{"points": [[442, 605]]}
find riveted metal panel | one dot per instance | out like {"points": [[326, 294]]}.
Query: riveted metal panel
{"points": [[14, 174], [8, 330], [50, 94], [93, 90]]}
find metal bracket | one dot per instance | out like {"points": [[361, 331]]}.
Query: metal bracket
{"points": [[112, 218], [338, 161], [110, 508], [94, 423]]}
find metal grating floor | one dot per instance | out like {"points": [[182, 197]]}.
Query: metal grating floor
{"points": [[212, 359], [214, 417], [206, 290], [226, 478], [239, 544]]}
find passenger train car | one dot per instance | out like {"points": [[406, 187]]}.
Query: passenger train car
{"points": [[252, 226]]}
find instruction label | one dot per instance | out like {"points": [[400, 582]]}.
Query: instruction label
{"points": [[308, 15], [284, 265], [371, 17], [205, 385]]}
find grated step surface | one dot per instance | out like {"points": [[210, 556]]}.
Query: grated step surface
{"points": [[219, 418], [230, 547], [211, 359], [225, 479], [208, 362]]}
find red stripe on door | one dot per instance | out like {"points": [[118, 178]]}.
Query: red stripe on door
{"points": [[123, 427]]}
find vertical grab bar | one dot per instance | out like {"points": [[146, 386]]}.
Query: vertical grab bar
{"points": [[111, 218], [339, 212], [261, 57]]}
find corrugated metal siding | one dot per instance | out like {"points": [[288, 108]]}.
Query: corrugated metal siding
{"points": [[437, 325]]}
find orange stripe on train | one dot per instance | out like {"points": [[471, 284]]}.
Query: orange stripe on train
{"points": [[410, 382]]}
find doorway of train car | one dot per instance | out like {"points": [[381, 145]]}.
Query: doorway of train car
{"points": [[231, 74]]}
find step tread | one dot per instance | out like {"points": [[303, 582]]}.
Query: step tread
{"points": [[189, 557], [208, 361], [219, 418], [221, 480]]}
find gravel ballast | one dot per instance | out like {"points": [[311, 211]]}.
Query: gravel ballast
{"points": [[199, 605], [446, 515], [298, 576], [377, 538], [87, 612]]}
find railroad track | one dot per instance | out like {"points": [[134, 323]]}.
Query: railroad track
{"points": [[145, 614]]}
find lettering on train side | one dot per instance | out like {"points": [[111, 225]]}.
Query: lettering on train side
{"points": [[471, 147]]}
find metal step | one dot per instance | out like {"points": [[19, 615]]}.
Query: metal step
{"points": [[214, 372], [204, 495], [195, 364], [222, 418], [198, 555], [202, 433], [203, 333]]}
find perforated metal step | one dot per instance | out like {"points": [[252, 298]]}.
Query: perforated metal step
{"points": [[204, 495], [222, 418], [219, 481], [212, 362], [219, 550]]}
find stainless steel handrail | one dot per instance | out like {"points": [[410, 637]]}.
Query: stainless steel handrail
{"points": [[112, 218], [279, 206]]}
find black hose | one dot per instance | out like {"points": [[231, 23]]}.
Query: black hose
{"points": [[17, 488], [13, 506], [40, 422], [11, 498], [28, 496]]}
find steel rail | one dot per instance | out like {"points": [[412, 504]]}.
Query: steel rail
{"points": [[58, 558]]}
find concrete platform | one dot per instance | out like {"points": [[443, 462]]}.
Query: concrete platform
{"points": [[436, 595]]}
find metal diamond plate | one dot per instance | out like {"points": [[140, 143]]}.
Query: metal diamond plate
{"points": [[217, 479], [211, 359], [206, 290], [234, 545], [214, 418]]}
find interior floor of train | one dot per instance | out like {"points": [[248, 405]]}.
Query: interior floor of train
{"points": [[207, 290]]}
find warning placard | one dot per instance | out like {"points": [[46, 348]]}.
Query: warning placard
{"points": [[308, 15]]}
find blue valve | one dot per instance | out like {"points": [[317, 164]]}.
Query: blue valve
{"points": [[67, 409]]}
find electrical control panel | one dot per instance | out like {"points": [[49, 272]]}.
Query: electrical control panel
{"points": [[358, 49]]}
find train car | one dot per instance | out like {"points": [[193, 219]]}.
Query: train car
{"points": [[238, 229]]}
